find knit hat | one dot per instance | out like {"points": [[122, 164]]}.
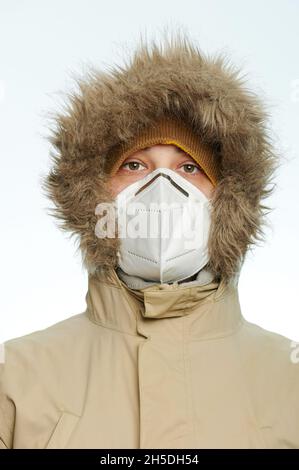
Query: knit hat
{"points": [[168, 130]]}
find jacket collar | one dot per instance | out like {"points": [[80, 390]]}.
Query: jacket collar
{"points": [[203, 311]]}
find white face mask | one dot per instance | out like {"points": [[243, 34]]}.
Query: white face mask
{"points": [[163, 223]]}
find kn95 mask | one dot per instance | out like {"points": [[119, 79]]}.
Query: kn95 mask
{"points": [[163, 224]]}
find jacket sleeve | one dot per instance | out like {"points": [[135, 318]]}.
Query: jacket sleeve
{"points": [[7, 415]]}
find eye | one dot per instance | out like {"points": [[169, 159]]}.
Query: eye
{"points": [[191, 168], [132, 166]]}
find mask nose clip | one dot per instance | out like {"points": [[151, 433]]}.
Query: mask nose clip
{"points": [[161, 174]]}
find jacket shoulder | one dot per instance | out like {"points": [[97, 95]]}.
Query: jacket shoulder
{"points": [[69, 325], [270, 343], [49, 348], [271, 352]]}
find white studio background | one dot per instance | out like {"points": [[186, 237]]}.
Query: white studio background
{"points": [[42, 43]]}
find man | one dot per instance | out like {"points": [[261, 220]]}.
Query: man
{"points": [[162, 357]]}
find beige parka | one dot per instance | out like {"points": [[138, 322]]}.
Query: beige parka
{"points": [[164, 367], [170, 365]]}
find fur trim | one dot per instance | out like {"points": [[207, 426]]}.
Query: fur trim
{"points": [[110, 107]]}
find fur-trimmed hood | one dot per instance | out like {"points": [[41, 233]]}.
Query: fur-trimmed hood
{"points": [[178, 79]]}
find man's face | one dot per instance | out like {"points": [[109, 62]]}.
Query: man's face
{"points": [[144, 161]]}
